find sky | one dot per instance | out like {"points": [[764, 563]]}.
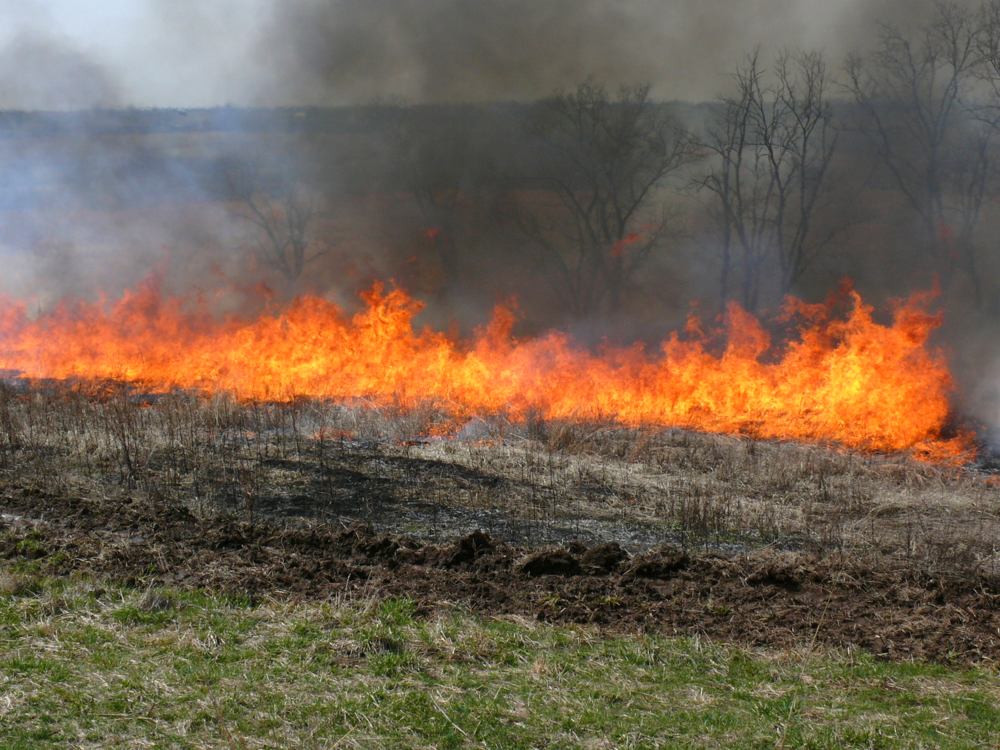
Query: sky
{"points": [[59, 54]]}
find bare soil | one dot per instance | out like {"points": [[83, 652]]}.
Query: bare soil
{"points": [[881, 603]]}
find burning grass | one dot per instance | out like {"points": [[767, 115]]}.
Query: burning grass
{"points": [[837, 375]]}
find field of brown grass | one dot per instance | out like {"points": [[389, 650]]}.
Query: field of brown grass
{"points": [[763, 542]]}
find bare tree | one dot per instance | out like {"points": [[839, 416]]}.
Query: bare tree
{"points": [[742, 183], [436, 157], [983, 162], [282, 213], [916, 108], [603, 159], [771, 148]]}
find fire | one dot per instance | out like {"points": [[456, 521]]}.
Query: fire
{"points": [[844, 378]]}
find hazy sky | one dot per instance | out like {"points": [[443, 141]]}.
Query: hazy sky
{"points": [[68, 53]]}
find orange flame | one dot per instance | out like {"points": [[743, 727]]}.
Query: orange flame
{"points": [[844, 379], [618, 248]]}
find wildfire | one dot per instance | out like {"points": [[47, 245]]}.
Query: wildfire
{"points": [[839, 378]]}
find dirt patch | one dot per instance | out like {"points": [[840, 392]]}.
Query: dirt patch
{"points": [[661, 564], [550, 562], [874, 602], [604, 558]]}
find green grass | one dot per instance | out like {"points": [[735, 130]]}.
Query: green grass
{"points": [[88, 664]]}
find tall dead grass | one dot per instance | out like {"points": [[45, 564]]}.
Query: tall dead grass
{"points": [[531, 480]]}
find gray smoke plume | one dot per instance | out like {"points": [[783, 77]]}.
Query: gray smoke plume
{"points": [[346, 51], [451, 50], [58, 55], [43, 74]]}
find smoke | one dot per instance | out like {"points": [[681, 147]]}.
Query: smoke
{"points": [[60, 55], [42, 74], [351, 51], [450, 50], [64, 54]]}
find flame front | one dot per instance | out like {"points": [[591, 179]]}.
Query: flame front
{"points": [[847, 380]]}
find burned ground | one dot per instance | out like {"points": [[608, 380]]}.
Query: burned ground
{"points": [[754, 542]]}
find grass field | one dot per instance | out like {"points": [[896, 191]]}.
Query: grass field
{"points": [[91, 664]]}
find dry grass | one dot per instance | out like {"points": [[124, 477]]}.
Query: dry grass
{"points": [[533, 480]]}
